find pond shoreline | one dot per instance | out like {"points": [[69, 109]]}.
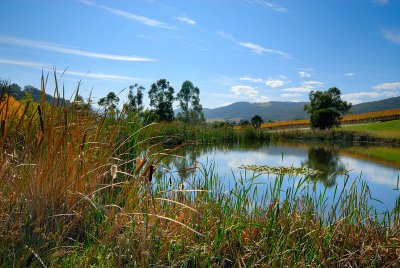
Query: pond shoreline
{"points": [[178, 133]]}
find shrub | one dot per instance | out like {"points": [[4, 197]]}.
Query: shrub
{"points": [[325, 118]]}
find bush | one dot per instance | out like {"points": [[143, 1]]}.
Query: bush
{"points": [[325, 118]]}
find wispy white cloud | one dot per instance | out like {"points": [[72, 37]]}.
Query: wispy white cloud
{"points": [[312, 84], [304, 74], [305, 87], [275, 83], [392, 35], [226, 36], [10, 40], [145, 36], [383, 90], [24, 63], [349, 74], [380, 2], [186, 19], [271, 82], [140, 19], [48, 67], [250, 79], [268, 5], [103, 76], [291, 95], [359, 97], [224, 80], [87, 2], [248, 93], [387, 86], [262, 99], [256, 48], [261, 50]]}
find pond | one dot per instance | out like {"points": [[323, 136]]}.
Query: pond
{"points": [[333, 161]]}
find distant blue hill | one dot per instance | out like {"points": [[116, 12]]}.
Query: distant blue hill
{"points": [[277, 111]]}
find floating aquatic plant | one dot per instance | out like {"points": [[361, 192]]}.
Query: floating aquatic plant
{"points": [[279, 170]]}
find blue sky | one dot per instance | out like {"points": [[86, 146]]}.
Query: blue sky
{"points": [[233, 50]]}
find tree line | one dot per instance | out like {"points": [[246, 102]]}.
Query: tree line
{"points": [[161, 96], [325, 107]]}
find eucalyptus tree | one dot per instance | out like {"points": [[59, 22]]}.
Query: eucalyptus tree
{"points": [[135, 100], [109, 103], [161, 96], [189, 102]]}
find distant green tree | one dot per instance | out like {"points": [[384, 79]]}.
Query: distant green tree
{"points": [[14, 90], [27, 97], [135, 100], [150, 116], [256, 121], [161, 96], [82, 105], [189, 102], [109, 103], [325, 108], [3, 82], [244, 122]]}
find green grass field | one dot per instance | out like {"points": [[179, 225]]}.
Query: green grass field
{"points": [[389, 129], [385, 153]]}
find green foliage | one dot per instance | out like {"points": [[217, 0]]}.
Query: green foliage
{"points": [[189, 102], [161, 96], [150, 116], [61, 207], [82, 105], [135, 101], [327, 161], [109, 102], [326, 107], [244, 122], [256, 121], [37, 94], [324, 118]]}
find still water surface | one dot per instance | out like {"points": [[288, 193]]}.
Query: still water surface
{"points": [[334, 161]]}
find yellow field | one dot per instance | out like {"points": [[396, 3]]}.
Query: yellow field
{"points": [[10, 108], [347, 119]]}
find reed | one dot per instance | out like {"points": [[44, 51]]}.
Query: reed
{"points": [[80, 189]]}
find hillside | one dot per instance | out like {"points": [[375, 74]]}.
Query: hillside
{"points": [[18, 93], [277, 111]]}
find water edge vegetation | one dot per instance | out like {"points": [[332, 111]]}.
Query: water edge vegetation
{"points": [[79, 190]]}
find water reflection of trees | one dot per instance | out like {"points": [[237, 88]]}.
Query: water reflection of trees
{"points": [[327, 160], [183, 162], [322, 158]]}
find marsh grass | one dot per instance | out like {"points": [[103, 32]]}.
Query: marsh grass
{"points": [[79, 189], [180, 132]]}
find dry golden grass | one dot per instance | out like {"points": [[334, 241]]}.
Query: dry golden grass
{"points": [[78, 191]]}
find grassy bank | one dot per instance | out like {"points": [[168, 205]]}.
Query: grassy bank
{"points": [[79, 190], [382, 153], [386, 130], [178, 132], [334, 135]]}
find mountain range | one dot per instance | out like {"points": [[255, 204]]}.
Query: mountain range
{"points": [[277, 111]]}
